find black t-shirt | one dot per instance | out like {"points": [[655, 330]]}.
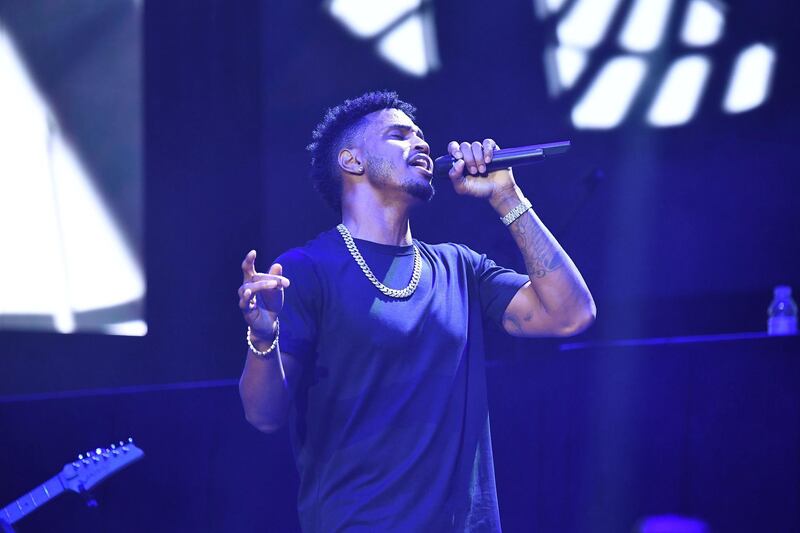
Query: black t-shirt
{"points": [[390, 426]]}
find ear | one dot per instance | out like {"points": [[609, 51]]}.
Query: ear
{"points": [[350, 161]]}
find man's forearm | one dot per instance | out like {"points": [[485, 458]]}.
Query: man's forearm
{"points": [[265, 390], [555, 279]]}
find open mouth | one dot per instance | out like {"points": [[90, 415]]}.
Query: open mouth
{"points": [[422, 162]]}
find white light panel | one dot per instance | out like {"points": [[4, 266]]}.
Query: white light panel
{"points": [[645, 24], [405, 46], [570, 62], [586, 23], [751, 79], [607, 101], [367, 18], [704, 22], [545, 8], [679, 93], [62, 252]]}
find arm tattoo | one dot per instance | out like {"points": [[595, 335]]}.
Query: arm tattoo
{"points": [[539, 250]]}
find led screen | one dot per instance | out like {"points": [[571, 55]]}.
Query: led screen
{"points": [[71, 167]]}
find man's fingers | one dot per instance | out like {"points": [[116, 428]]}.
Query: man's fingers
{"points": [[457, 176], [457, 170], [452, 149], [469, 159], [250, 290], [477, 154], [489, 146], [276, 269], [275, 282], [260, 283], [244, 299], [262, 277], [249, 265]]}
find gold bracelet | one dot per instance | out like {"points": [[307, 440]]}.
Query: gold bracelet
{"points": [[274, 343]]}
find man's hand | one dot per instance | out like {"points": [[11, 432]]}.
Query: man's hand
{"points": [[261, 296], [469, 171]]}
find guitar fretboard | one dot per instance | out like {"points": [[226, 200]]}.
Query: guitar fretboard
{"points": [[31, 501]]}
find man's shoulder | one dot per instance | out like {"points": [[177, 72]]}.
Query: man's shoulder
{"points": [[317, 250], [450, 251]]}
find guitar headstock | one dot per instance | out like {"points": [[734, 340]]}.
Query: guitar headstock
{"points": [[94, 466]]}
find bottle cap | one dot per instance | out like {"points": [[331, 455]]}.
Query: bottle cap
{"points": [[783, 291]]}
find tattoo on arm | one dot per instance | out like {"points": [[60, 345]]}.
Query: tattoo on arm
{"points": [[538, 248]]}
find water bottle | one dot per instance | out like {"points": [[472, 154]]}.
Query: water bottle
{"points": [[782, 313]]}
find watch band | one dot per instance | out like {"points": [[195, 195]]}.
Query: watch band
{"points": [[517, 212]]}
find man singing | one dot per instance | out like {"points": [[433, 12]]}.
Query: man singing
{"points": [[374, 351]]}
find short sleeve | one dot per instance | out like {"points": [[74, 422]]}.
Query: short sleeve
{"points": [[301, 307], [496, 285]]}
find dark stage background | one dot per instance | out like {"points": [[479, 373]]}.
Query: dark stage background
{"points": [[678, 231]]}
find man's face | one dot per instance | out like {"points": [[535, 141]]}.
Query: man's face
{"points": [[396, 156]]}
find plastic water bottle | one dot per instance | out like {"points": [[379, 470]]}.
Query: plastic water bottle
{"points": [[782, 313]]}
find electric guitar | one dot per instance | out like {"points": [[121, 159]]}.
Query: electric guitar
{"points": [[78, 476]]}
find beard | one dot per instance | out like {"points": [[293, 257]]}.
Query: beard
{"points": [[384, 174]]}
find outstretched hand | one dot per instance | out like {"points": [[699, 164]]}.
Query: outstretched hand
{"points": [[468, 173], [261, 295]]}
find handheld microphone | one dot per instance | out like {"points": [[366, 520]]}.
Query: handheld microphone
{"points": [[507, 157]]}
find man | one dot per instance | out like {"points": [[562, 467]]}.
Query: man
{"points": [[377, 350]]}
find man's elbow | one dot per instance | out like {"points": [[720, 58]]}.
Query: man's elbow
{"points": [[262, 424], [259, 416], [566, 326], [578, 321]]}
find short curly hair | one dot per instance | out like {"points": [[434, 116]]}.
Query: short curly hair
{"points": [[337, 128]]}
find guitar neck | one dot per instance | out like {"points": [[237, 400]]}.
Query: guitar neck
{"points": [[31, 501]]}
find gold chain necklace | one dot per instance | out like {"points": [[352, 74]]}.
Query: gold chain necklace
{"points": [[393, 293]]}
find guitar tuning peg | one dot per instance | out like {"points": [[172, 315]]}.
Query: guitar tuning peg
{"points": [[80, 456], [130, 440], [98, 451], [113, 446]]}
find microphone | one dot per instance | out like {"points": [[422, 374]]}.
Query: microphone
{"points": [[507, 157]]}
